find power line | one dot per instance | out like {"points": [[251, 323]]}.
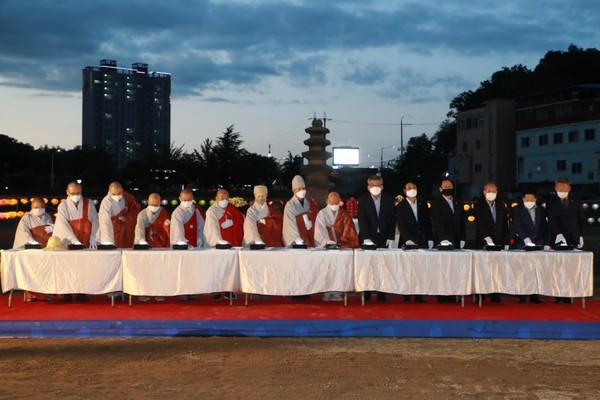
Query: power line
{"points": [[379, 123]]}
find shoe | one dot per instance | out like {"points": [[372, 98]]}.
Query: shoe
{"points": [[337, 297], [159, 298], [495, 298], [327, 296], [419, 299], [144, 299], [407, 299], [183, 298], [535, 299], [301, 297], [367, 296], [82, 298], [48, 297], [68, 298], [522, 299], [217, 297], [193, 297], [382, 297], [230, 296]]}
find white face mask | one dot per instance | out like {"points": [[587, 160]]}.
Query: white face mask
{"points": [[38, 212], [153, 208], [562, 195], [529, 204], [223, 203], [411, 193], [75, 198], [186, 204], [301, 194], [334, 207], [116, 197], [490, 196], [375, 190]]}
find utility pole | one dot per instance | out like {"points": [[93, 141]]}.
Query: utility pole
{"points": [[402, 125]]}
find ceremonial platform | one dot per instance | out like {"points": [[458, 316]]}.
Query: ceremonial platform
{"points": [[286, 317]]}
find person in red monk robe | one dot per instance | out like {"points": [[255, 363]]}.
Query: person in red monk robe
{"points": [[153, 224], [35, 227], [263, 223], [117, 215], [187, 222], [224, 222], [299, 216]]}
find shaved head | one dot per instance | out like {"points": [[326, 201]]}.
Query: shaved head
{"points": [[115, 188], [154, 199]]}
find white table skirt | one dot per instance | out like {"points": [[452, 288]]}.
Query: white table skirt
{"points": [[290, 272], [62, 272], [180, 272], [549, 273], [426, 272]]}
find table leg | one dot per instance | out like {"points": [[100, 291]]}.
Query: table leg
{"points": [[345, 299], [480, 301], [362, 298], [246, 300], [583, 303], [130, 296], [10, 298], [462, 301]]}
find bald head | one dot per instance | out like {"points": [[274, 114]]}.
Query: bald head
{"points": [[333, 198], [186, 195], [115, 188], [37, 202], [154, 199], [73, 188], [222, 194]]}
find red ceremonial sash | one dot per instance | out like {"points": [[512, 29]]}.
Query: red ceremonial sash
{"points": [[40, 235], [119, 228], [157, 233], [345, 233], [308, 235], [235, 233], [82, 227], [190, 229], [272, 231], [133, 209]]}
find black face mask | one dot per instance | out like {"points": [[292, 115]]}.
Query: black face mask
{"points": [[447, 192]]}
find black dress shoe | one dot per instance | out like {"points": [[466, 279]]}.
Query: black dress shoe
{"points": [[68, 298], [522, 299], [367, 296], [82, 297], [495, 298], [382, 297], [535, 299], [407, 299], [419, 299]]}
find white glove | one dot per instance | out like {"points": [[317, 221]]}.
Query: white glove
{"points": [[307, 222], [75, 241], [580, 245], [462, 244], [167, 222], [560, 238], [93, 244], [299, 241], [143, 242], [259, 242], [446, 243], [122, 218], [222, 241], [330, 242], [228, 223], [528, 242], [49, 228], [546, 247], [368, 242], [389, 244], [488, 241], [262, 221], [506, 247], [430, 244], [410, 243]]}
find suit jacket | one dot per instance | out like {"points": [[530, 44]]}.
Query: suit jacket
{"points": [[567, 220], [525, 228], [411, 229], [448, 225], [485, 225], [369, 223]]}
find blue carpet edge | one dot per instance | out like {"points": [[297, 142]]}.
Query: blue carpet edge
{"points": [[475, 329]]}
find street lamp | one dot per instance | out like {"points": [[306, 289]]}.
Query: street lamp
{"points": [[386, 147]]}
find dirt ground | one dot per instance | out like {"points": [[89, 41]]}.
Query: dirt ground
{"points": [[288, 368]]}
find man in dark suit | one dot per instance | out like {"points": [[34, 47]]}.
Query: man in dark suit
{"points": [[531, 228], [448, 217], [491, 223], [490, 219], [376, 219], [414, 223], [566, 218]]}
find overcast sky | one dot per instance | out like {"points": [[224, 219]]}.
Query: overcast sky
{"points": [[267, 66]]}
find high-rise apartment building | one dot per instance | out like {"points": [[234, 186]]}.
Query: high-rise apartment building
{"points": [[126, 111]]}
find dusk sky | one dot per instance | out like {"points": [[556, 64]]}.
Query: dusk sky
{"points": [[266, 66]]}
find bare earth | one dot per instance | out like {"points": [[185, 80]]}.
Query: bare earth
{"points": [[288, 368]]}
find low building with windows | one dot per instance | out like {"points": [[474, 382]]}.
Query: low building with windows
{"points": [[558, 135]]}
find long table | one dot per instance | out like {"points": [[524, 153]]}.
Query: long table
{"points": [[285, 272], [62, 272], [298, 272]]}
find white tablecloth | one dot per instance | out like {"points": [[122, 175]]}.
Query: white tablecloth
{"points": [[290, 272], [180, 272], [427, 272], [62, 272], [549, 273]]}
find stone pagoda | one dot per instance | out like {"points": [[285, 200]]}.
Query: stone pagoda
{"points": [[317, 171]]}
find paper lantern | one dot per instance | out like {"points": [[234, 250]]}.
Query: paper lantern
{"points": [[471, 218], [466, 207], [54, 202]]}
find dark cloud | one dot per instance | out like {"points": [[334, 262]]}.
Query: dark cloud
{"points": [[45, 44]]}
